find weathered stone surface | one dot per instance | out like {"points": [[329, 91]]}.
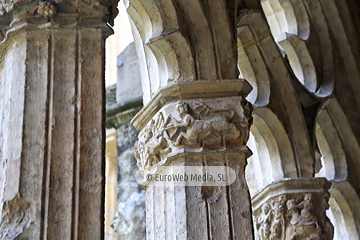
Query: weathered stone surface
{"points": [[128, 75], [179, 212], [53, 89], [15, 218]]}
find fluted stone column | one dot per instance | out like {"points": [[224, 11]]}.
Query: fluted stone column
{"points": [[52, 118], [293, 209], [196, 123]]}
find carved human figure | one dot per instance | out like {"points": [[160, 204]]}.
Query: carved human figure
{"points": [[149, 149], [265, 232], [192, 132], [276, 231], [196, 131], [279, 213], [301, 227], [156, 148], [306, 206], [263, 222], [140, 148]]}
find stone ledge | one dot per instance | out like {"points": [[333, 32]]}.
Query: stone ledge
{"points": [[290, 186], [190, 90], [118, 113]]}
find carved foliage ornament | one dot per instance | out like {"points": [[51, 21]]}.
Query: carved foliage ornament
{"points": [[193, 126], [8, 6], [287, 218]]}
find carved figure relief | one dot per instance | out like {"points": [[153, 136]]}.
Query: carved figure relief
{"points": [[263, 222], [289, 219], [152, 147], [189, 126], [206, 128]]}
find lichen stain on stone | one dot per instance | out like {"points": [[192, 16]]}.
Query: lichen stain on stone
{"points": [[211, 194], [15, 218]]}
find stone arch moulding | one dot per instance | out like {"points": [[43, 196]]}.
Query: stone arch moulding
{"points": [[344, 211], [336, 141], [252, 66], [287, 16], [164, 54], [301, 31], [269, 140]]}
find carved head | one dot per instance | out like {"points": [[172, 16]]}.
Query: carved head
{"points": [[276, 230], [280, 201], [146, 134], [265, 208], [182, 107], [291, 204], [266, 228], [308, 197]]}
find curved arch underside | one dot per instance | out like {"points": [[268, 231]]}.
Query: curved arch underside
{"points": [[299, 27], [344, 208], [273, 157], [184, 40]]}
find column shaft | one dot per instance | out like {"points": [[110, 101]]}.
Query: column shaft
{"points": [[52, 127]]}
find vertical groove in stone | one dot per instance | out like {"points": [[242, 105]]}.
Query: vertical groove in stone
{"points": [[47, 147], [76, 138], [228, 197], [207, 210], [103, 135], [2, 103]]}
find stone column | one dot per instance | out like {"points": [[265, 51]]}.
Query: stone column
{"points": [[196, 123], [52, 117], [293, 209]]}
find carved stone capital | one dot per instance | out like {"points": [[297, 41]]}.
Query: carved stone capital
{"points": [[15, 10], [293, 209], [193, 126], [24, 15]]}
